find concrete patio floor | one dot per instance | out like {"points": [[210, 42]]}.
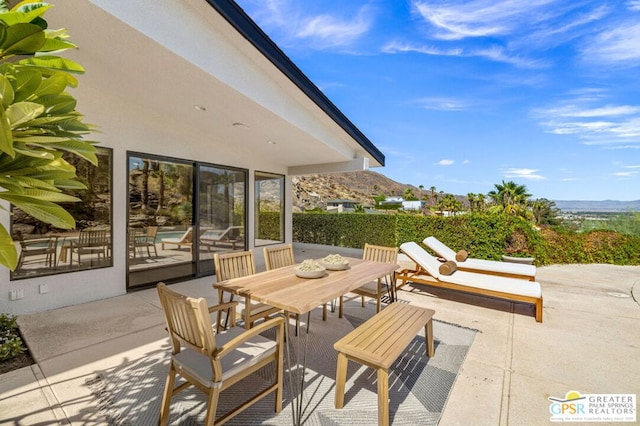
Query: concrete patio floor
{"points": [[589, 342]]}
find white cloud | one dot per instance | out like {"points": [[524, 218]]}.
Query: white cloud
{"points": [[625, 174], [620, 45], [479, 18], [523, 173], [442, 104], [403, 47], [325, 31], [445, 162], [614, 126], [633, 5], [494, 53], [290, 23]]}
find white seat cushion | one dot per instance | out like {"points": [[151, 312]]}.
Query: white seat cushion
{"points": [[249, 353], [480, 264]]}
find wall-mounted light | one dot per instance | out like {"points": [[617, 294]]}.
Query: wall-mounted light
{"points": [[200, 107], [270, 142]]}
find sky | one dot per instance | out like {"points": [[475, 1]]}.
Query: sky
{"points": [[464, 94]]}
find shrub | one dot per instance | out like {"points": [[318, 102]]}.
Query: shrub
{"points": [[483, 235], [10, 342]]}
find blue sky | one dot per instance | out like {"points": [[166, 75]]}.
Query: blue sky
{"points": [[463, 94]]}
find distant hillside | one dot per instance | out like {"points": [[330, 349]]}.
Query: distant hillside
{"points": [[311, 191], [598, 206]]}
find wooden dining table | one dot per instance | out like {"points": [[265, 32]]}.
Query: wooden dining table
{"points": [[282, 289]]}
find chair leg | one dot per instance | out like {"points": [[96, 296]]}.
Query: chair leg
{"points": [[212, 406], [166, 396], [362, 301]]}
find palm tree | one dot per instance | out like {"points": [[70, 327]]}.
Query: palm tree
{"points": [[471, 198], [408, 194], [480, 199], [510, 197], [448, 203]]}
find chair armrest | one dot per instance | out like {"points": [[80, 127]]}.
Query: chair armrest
{"points": [[254, 331], [224, 307]]}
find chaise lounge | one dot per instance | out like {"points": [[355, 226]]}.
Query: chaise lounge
{"points": [[428, 272], [482, 266], [185, 240]]}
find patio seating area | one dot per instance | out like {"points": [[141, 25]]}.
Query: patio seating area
{"points": [[587, 343]]}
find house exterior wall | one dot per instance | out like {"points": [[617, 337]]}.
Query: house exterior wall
{"points": [[82, 286], [143, 79]]}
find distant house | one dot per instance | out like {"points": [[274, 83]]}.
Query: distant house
{"points": [[413, 205], [394, 199], [341, 205]]}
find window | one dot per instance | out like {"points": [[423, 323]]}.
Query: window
{"points": [[269, 216], [45, 250]]}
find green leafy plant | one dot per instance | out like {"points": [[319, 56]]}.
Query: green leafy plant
{"points": [[38, 120], [11, 344]]}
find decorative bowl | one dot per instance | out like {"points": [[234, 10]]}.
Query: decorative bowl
{"points": [[335, 266], [309, 274], [309, 269], [334, 262]]}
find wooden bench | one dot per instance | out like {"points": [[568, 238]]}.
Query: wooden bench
{"points": [[377, 343]]}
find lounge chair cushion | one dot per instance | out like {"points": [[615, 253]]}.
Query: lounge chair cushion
{"points": [[448, 268], [461, 256], [480, 265]]}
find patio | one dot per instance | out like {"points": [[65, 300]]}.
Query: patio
{"points": [[513, 366]]}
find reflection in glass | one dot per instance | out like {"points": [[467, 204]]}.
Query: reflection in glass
{"points": [[269, 219], [160, 231], [221, 210], [45, 250]]}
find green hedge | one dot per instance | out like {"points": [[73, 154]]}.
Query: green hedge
{"points": [[484, 236], [344, 229]]}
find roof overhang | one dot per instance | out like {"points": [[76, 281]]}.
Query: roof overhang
{"points": [[203, 68]]}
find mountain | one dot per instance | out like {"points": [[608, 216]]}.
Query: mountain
{"points": [[598, 206], [312, 191]]}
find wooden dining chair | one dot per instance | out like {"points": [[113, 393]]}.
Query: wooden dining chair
{"points": [[213, 362], [39, 247], [235, 265], [148, 240], [374, 289], [279, 257]]}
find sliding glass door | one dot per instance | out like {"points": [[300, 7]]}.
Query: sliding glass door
{"points": [[160, 230], [221, 212], [181, 213]]}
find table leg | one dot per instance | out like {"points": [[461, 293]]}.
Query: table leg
{"points": [[428, 333]]}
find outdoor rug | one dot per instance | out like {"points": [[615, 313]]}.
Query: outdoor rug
{"points": [[418, 386]]}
